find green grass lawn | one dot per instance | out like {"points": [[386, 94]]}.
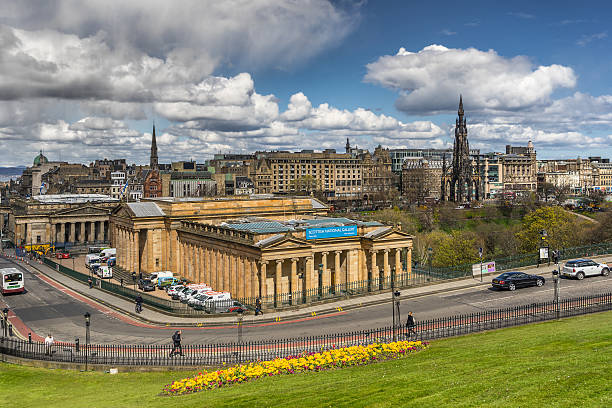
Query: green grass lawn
{"points": [[565, 363]]}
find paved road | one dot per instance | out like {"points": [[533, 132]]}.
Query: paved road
{"points": [[46, 308]]}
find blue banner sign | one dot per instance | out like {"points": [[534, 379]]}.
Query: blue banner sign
{"points": [[331, 232]]}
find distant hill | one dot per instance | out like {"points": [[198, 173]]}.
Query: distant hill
{"points": [[11, 172]]}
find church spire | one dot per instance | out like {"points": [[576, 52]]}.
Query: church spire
{"points": [[348, 145], [460, 111], [153, 161]]}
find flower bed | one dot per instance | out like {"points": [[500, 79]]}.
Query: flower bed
{"points": [[324, 360]]}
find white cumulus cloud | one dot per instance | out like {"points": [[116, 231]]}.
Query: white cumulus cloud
{"points": [[430, 80]]}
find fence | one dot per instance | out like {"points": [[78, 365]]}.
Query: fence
{"points": [[241, 351], [418, 277], [521, 260]]}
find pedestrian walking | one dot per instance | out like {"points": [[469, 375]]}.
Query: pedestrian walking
{"points": [[176, 341], [258, 306], [410, 325], [90, 282], [48, 343]]}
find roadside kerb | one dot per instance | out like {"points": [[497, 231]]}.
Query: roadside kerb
{"points": [[304, 313]]}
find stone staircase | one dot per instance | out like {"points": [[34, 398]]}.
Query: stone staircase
{"points": [[120, 273]]}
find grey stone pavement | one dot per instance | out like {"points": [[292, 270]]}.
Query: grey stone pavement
{"points": [[152, 317]]}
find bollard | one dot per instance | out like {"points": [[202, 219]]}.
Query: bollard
{"points": [[30, 338]]}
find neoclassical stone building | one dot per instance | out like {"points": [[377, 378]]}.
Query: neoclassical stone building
{"points": [[255, 247], [61, 220]]}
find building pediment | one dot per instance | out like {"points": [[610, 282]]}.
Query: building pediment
{"points": [[281, 241], [387, 234], [85, 210], [123, 211]]}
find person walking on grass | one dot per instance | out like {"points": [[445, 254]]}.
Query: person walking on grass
{"points": [[410, 325], [176, 341]]}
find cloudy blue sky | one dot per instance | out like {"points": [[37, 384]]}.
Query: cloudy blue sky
{"points": [[86, 79]]}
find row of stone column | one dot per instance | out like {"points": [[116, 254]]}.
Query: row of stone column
{"points": [[221, 269], [128, 248], [58, 231], [308, 278], [386, 267]]}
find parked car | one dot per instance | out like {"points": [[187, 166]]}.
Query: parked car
{"points": [[225, 306], [104, 271], [172, 290], [146, 285], [234, 307], [580, 268], [62, 255], [165, 281], [204, 297], [111, 261], [184, 296], [163, 274], [176, 295], [197, 301], [514, 280]]}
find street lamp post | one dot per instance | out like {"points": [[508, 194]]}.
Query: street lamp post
{"points": [[394, 304], [543, 244], [557, 281], [429, 256], [320, 285], [87, 323], [239, 326], [480, 255]]}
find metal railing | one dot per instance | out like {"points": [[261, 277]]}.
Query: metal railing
{"points": [[521, 260], [418, 277], [244, 351]]}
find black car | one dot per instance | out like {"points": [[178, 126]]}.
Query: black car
{"points": [[513, 280], [146, 285]]}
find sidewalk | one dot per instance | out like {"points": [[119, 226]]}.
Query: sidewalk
{"points": [[148, 316]]}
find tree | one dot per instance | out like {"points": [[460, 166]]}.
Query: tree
{"points": [[458, 248], [423, 241], [597, 197], [558, 224], [306, 184]]}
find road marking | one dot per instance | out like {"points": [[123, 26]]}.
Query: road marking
{"points": [[502, 298]]}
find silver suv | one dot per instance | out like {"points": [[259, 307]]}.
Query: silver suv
{"points": [[584, 267]]}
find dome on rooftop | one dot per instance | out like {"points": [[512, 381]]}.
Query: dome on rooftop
{"points": [[40, 159]]}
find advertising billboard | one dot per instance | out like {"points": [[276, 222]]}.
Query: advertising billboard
{"points": [[331, 232], [487, 267]]}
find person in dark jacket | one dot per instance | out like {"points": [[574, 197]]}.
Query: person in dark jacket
{"points": [[176, 341], [410, 325], [258, 307], [138, 304]]}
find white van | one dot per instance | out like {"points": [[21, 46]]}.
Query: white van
{"points": [[91, 259], [213, 297], [107, 253], [195, 297], [104, 271], [192, 290], [163, 274]]}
